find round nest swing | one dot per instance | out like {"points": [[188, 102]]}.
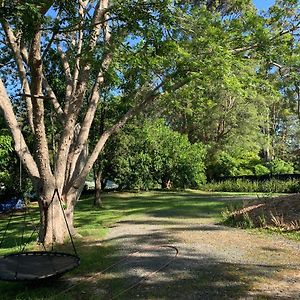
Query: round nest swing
{"points": [[36, 265]]}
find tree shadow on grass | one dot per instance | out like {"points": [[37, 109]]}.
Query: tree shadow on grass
{"points": [[172, 224], [192, 275], [168, 205]]}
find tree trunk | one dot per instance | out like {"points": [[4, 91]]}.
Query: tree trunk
{"points": [[166, 184], [53, 228], [56, 221], [98, 188]]}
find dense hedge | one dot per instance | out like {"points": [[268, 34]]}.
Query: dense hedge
{"points": [[259, 177], [245, 185]]}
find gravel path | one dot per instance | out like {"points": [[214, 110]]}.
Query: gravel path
{"points": [[214, 262]]}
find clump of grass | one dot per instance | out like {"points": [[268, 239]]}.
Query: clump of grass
{"points": [[231, 218], [262, 220], [279, 222]]}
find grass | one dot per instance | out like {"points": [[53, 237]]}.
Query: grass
{"points": [[96, 255], [292, 235], [18, 230]]}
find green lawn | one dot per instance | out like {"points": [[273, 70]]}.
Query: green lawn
{"points": [[92, 225]]}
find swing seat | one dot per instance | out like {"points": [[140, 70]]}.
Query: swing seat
{"points": [[36, 265]]}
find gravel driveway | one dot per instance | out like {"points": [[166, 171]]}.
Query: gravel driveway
{"points": [[214, 262]]}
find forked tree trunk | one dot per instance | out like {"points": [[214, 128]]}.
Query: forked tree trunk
{"points": [[53, 227], [56, 219], [166, 183], [98, 188]]}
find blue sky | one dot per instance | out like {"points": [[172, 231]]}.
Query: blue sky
{"points": [[263, 4]]}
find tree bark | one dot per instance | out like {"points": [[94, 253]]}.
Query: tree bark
{"points": [[98, 187], [56, 217], [166, 184], [53, 228]]}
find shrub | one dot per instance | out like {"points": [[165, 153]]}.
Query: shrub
{"points": [[261, 170], [153, 155], [279, 166], [242, 185]]}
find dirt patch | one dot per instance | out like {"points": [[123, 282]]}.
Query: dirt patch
{"points": [[282, 212]]}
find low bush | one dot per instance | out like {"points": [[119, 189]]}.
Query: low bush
{"points": [[248, 186]]}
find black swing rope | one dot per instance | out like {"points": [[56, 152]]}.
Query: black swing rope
{"points": [[65, 218], [8, 261]]}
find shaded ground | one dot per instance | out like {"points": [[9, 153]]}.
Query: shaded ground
{"points": [[282, 212], [214, 262]]}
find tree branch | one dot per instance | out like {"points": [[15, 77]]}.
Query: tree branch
{"points": [[53, 99], [82, 4], [15, 47], [147, 98], [43, 160], [67, 71], [54, 33], [20, 144], [280, 34]]}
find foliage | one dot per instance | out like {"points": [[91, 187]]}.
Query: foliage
{"points": [[281, 68], [5, 152], [222, 108], [237, 164], [244, 100], [150, 155], [241, 163], [260, 169], [279, 166], [8, 167], [242, 185]]}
